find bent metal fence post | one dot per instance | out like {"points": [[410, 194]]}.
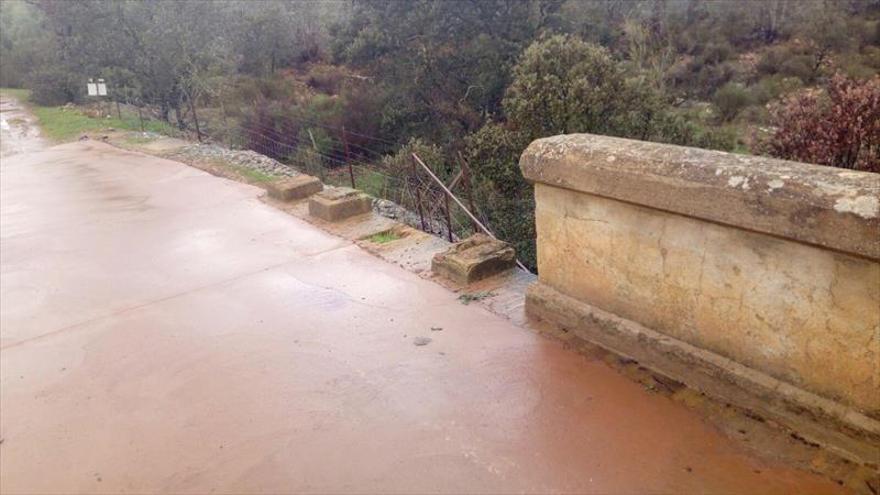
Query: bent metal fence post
{"points": [[466, 179], [418, 193], [461, 205], [348, 157]]}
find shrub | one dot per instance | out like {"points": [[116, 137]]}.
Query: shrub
{"points": [[365, 106], [326, 78], [840, 128], [309, 50], [501, 192], [709, 78], [871, 56], [715, 53], [400, 163], [858, 65], [563, 85], [684, 131], [772, 60], [52, 86], [773, 87], [309, 162], [265, 129], [799, 66], [756, 114], [730, 100], [249, 89]]}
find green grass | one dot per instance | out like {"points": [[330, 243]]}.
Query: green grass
{"points": [[66, 124], [255, 175], [385, 237], [62, 124], [21, 95], [372, 183]]}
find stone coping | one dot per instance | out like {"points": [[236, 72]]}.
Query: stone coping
{"points": [[826, 206]]}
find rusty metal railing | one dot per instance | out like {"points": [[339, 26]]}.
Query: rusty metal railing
{"points": [[448, 194]]}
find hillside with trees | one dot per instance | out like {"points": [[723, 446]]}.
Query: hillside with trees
{"points": [[473, 80]]}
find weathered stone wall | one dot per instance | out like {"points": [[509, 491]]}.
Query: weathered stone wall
{"points": [[769, 263]]}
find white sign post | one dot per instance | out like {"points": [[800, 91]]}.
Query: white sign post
{"points": [[99, 89]]}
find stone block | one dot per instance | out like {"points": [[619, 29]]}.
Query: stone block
{"points": [[291, 188], [474, 258], [339, 203]]}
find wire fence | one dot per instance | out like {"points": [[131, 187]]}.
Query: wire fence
{"points": [[414, 192]]}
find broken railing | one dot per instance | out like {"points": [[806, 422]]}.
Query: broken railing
{"points": [[418, 163]]}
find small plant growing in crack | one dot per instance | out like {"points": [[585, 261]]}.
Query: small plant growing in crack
{"points": [[384, 237], [468, 298]]}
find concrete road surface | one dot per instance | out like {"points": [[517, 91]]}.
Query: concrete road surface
{"points": [[165, 331]]}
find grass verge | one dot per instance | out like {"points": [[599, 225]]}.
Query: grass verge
{"points": [[385, 237], [62, 124], [21, 95], [66, 124], [254, 176]]}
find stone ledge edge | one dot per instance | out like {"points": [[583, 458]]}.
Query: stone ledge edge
{"points": [[830, 207], [841, 429]]}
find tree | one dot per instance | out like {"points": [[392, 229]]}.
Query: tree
{"points": [[169, 49], [23, 44], [839, 128], [447, 63], [272, 34], [562, 85], [501, 193], [650, 53]]}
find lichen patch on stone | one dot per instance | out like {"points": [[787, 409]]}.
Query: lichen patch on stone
{"points": [[834, 189], [863, 206], [739, 181], [774, 184]]}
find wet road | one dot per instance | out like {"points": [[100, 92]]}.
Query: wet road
{"points": [[165, 331], [18, 132]]}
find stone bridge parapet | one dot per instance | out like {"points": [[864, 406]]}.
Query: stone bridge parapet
{"points": [[752, 279]]}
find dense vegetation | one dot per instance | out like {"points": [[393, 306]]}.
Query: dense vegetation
{"points": [[471, 79]]}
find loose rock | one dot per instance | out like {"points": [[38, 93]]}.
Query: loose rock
{"points": [[244, 158]]}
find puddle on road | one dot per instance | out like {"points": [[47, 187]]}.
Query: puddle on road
{"points": [[18, 130]]}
